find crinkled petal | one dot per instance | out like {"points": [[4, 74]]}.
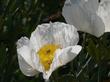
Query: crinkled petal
{"points": [[57, 33], [26, 68], [24, 57], [23, 41], [66, 55], [62, 57], [37, 62], [82, 14], [65, 34], [23, 49], [104, 13]]}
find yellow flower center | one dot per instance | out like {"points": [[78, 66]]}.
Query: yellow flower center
{"points": [[46, 55]]}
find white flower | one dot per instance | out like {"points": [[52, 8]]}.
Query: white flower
{"points": [[50, 46], [104, 13], [88, 15]]}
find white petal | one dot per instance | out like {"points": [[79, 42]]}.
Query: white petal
{"points": [[37, 63], [59, 33], [90, 5], [35, 39], [23, 49], [22, 42], [65, 34], [24, 57], [104, 13], [62, 57], [26, 68], [68, 54], [82, 14]]}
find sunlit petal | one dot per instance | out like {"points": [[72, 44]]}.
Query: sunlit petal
{"points": [[104, 13], [24, 50], [65, 35], [62, 57], [36, 61], [66, 55], [82, 14], [26, 68], [57, 32], [24, 57]]}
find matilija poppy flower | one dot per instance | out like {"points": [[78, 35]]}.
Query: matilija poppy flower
{"points": [[50, 46], [88, 15], [104, 13]]}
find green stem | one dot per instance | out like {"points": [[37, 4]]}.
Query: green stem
{"points": [[47, 80], [99, 76]]}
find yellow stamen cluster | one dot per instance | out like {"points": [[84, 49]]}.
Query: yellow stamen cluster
{"points": [[46, 55]]}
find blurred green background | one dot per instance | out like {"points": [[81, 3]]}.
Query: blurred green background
{"points": [[20, 17]]}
